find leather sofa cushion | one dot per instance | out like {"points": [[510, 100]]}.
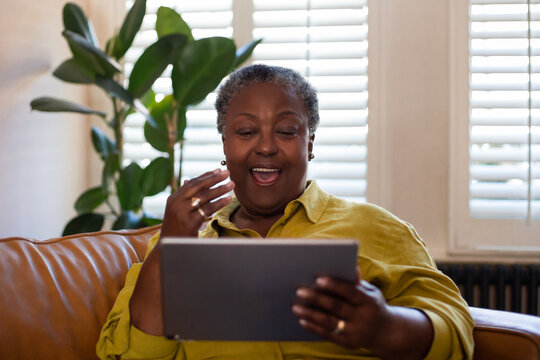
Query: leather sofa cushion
{"points": [[505, 335], [56, 294]]}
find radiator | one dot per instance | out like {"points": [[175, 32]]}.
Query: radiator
{"points": [[510, 287]]}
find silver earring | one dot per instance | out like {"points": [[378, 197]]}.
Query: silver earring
{"points": [[311, 156], [223, 162]]}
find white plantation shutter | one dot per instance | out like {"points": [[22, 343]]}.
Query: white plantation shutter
{"points": [[324, 40], [504, 109], [495, 187]]}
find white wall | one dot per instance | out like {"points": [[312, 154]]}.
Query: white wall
{"points": [[409, 114], [44, 157]]}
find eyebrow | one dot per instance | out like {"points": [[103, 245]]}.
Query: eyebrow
{"points": [[283, 113], [244, 114], [288, 112]]}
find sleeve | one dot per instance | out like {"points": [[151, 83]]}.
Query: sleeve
{"points": [[119, 339], [397, 261]]}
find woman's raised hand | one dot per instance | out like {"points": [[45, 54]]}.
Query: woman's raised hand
{"points": [[193, 202]]}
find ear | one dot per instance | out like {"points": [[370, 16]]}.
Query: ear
{"points": [[223, 143], [310, 143]]}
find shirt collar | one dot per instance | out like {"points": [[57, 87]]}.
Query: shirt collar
{"points": [[314, 201]]}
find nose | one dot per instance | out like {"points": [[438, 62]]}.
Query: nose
{"points": [[266, 145]]}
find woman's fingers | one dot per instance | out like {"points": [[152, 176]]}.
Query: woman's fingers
{"points": [[316, 321], [203, 182], [336, 307], [193, 202], [346, 290], [210, 208], [204, 198]]}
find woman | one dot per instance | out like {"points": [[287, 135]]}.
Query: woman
{"points": [[401, 308]]}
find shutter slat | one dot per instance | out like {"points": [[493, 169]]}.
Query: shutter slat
{"points": [[302, 4], [503, 154], [481, 172], [503, 209], [296, 18], [314, 34]]}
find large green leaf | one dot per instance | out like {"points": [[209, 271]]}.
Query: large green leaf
{"points": [[115, 89], [130, 27], [128, 187], [243, 53], [72, 71], [153, 62], [76, 21], [157, 134], [84, 223], [149, 99], [89, 56], [170, 22], [102, 143], [127, 220], [181, 123], [200, 68], [156, 176], [112, 164], [156, 137], [90, 199], [58, 105]]}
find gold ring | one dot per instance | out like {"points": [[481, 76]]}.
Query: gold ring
{"points": [[340, 327], [202, 213], [195, 201]]}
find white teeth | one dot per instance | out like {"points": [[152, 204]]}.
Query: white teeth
{"points": [[264, 170]]}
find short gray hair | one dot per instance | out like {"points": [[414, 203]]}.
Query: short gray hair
{"points": [[259, 73]]}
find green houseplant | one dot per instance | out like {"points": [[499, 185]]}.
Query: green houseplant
{"points": [[198, 67]]}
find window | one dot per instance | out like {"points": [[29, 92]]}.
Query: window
{"points": [[497, 204], [325, 40]]}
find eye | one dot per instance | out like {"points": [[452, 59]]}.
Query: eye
{"points": [[288, 131], [246, 132]]}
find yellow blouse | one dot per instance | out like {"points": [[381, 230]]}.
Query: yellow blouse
{"points": [[391, 256]]}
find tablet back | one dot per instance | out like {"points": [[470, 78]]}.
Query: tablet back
{"points": [[243, 289]]}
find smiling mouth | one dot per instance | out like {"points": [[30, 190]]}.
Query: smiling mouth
{"points": [[265, 176]]}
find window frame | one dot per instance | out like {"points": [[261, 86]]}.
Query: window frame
{"points": [[468, 236]]}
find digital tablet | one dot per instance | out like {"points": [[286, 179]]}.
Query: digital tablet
{"points": [[243, 289]]}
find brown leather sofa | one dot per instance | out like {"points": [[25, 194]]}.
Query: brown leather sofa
{"points": [[55, 296]]}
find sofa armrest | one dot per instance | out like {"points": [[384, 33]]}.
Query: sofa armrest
{"points": [[505, 335]]}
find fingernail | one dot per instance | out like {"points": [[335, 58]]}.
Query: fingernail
{"points": [[302, 322], [303, 293], [322, 281], [296, 309]]}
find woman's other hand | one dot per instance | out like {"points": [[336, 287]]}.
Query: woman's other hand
{"points": [[357, 315], [194, 202]]}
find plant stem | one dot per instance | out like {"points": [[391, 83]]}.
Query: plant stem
{"points": [[181, 143], [171, 133], [118, 129], [111, 207]]}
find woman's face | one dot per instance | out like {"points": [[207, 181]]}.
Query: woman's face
{"points": [[266, 143]]}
